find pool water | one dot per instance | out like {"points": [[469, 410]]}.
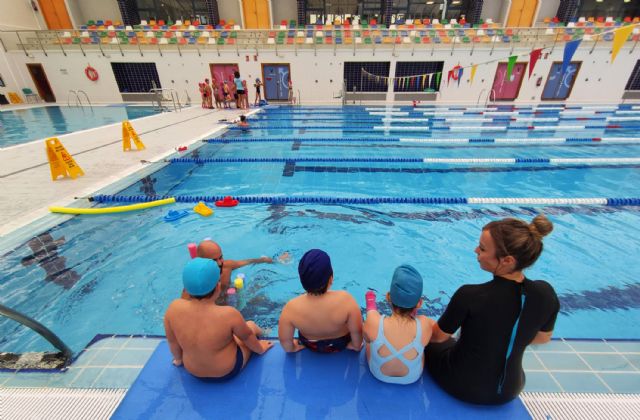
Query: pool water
{"points": [[118, 273], [24, 125]]}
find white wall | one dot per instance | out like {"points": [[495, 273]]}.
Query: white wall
{"points": [[491, 9], [319, 77], [284, 9], [230, 9], [547, 8], [18, 15], [93, 10]]}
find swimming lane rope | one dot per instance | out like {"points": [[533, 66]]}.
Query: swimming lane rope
{"points": [[326, 200], [514, 141]]}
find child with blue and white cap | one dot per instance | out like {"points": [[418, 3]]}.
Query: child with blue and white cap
{"points": [[213, 342], [395, 344]]}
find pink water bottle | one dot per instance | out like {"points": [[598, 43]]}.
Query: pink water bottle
{"points": [[193, 250], [370, 298]]}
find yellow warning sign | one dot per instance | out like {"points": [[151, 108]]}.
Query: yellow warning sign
{"points": [[14, 98], [60, 161], [128, 134]]}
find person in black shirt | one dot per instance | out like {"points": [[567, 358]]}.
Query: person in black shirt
{"points": [[497, 319]]}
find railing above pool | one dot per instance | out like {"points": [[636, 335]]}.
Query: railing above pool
{"points": [[356, 38]]}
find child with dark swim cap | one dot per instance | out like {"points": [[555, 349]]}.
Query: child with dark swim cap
{"points": [[395, 344], [327, 320], [212, 341]]}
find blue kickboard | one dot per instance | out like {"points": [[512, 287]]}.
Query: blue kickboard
{"points": [[303, 385]]}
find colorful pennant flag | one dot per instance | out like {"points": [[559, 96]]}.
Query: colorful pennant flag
{"points": [[449, 76], [569, 49], [460, 71], [510, 64], [619, 38], [438, 77], [473, 72], [533, 59]]}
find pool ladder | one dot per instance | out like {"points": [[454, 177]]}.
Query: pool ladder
{"points": [[44, 332], [492, 91], [78, 102]]}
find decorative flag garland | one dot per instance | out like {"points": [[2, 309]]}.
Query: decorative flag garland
{"points": [[621, 34]]}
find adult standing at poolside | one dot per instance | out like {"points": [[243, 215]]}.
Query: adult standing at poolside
{"points": [[498, 319], [239, 90]]}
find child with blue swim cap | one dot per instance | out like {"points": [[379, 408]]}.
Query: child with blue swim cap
{"points": [[395, 344], [213, 342]]}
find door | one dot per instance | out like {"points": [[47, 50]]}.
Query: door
{"points": [[521, 13], [559, 86], [222, 72], [507, 90], [256, 14], [55, 14], [276, 81], [42, 83]]}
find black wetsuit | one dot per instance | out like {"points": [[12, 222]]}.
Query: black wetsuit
{"points": [[471, 367]]}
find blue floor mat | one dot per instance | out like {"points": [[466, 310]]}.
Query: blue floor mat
{"points": [[303, 385]]}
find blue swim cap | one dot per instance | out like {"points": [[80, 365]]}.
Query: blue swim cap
{"points": [[315, 269], [406, 287], [200, 276]]}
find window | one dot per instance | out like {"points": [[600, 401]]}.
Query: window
{"points": [[615, 8], [358, 81], [418, 68], [136, 77], [634, 80]]}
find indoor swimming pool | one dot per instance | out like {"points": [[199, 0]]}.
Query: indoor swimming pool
{"points": [[25, 125], [362, 199]]}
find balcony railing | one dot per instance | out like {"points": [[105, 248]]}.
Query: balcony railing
{"points": [[419, 37]]}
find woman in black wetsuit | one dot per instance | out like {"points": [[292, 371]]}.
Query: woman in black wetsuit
{"points": [[497, 319]]}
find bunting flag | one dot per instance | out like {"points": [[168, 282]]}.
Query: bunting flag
{"points": [[438, 77], [460, 71], [512, 62], [449, 76], [569, 49], [473, 72], [533, 59], [619, 38]]}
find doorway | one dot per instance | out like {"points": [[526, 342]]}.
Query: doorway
{"points": [[276, 82], [559, 86], [222, 72], [41, 81], [256, 14], [55, 14], [521, 13], [508, 90]]}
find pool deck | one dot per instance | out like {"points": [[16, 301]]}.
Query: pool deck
{"points": [[27, 190]]}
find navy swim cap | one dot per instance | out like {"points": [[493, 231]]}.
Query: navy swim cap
{"points": [[406, 287], [200, 276], [315, 269]]}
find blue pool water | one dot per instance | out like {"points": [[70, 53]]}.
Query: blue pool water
{"points": [[118, 273], [24, 125]]}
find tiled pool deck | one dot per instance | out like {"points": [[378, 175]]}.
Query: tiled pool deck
{"points": [[571, 366]]}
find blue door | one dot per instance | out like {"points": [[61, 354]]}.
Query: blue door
{"points": [[558, 85], [276, 82]]}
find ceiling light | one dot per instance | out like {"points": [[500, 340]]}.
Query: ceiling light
{"points": [[429, 2], [455, 2]]}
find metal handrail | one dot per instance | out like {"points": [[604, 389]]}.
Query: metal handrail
{"points": [[74, 94], [175, 99], [43, 331], [250, 39], [489, 97], [78, 92]]}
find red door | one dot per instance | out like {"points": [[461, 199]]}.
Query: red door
{"points": [[222, 72], [507, 90]]}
